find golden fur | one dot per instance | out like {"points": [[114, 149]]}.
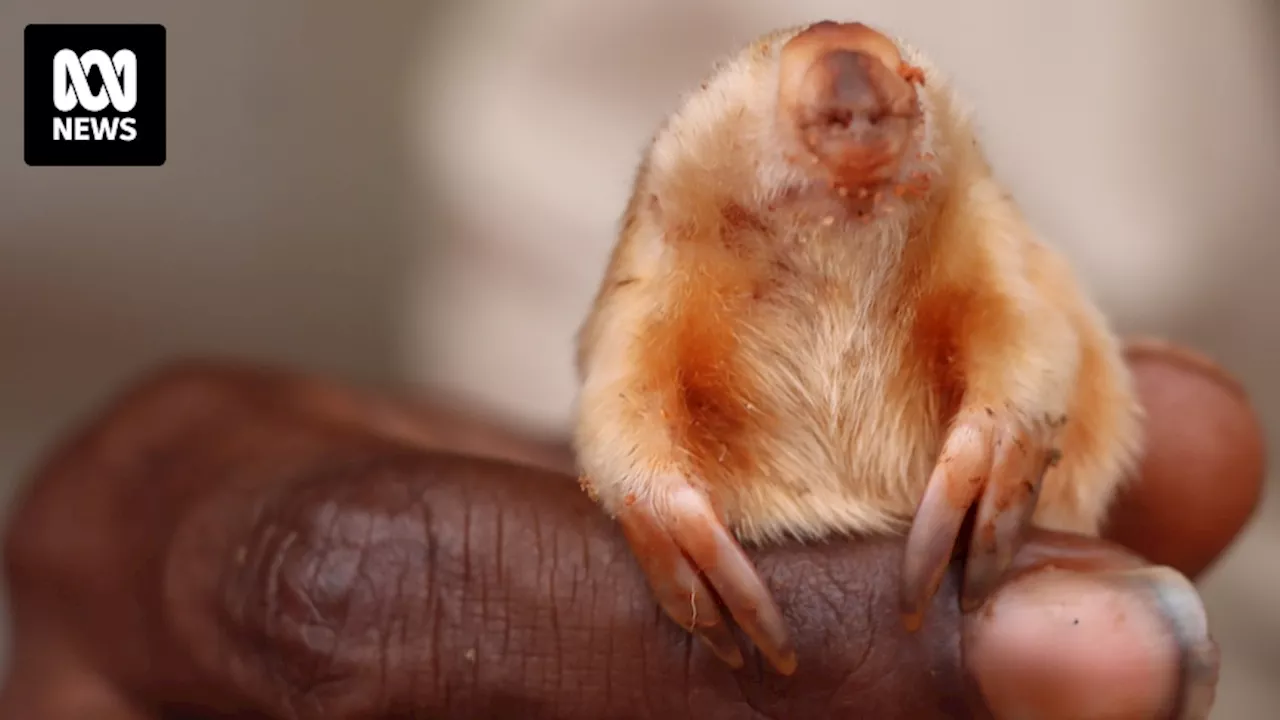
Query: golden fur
{"points": [[801, 365]]}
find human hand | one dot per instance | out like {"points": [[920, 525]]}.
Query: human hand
{"points": [[228, 541]]}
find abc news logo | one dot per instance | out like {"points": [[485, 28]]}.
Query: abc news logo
{"points": [[107, 105], [71, 89]]}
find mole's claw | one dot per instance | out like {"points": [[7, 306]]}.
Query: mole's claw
{"points": [[680, 543], [959, 476], [1004, 512], [990, 457]]}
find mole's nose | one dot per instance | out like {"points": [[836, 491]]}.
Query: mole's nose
{"points": [[843, 88], [849, 86]]}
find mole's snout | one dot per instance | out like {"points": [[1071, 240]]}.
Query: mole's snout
{"points": [[843, 89]]}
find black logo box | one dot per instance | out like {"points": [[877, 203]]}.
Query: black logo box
{"points": [[42, 42]]}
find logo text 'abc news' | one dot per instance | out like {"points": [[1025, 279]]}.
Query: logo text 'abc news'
{"points": [[107, 105]]}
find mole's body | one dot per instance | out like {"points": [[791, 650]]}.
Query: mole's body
{"points": [[824, 315]]}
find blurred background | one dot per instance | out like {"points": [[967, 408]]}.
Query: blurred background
{"points": [[425, 193]]}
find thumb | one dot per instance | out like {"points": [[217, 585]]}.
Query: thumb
{"points": [[1094, 633]]}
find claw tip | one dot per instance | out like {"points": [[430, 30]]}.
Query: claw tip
{"points": [[786, 664], [912, 620], [723, 648]]}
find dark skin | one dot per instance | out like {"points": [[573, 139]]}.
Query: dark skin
{"points": [[229, 541]]}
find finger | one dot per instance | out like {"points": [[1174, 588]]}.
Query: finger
{"points": [[1003, 514], [1119, 643], [963, 467], [1201, 476], [697, 530], [503, 587], [675, 583], [49, 678]]}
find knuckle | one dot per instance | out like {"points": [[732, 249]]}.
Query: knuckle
{"points": [[385, 596], [326, 587]]}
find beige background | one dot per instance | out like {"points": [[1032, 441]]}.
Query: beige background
{"points": [[425, 192]]}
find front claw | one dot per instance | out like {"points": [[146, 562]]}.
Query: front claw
{"points": [[989, 455], [679, 542]]}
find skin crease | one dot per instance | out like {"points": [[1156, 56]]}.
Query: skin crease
{"points": [[231, 541]]}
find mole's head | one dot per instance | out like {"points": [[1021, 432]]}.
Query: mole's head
{"points": [[849, 101], [810, 112]]}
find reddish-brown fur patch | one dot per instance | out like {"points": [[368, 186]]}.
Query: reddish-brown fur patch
{"points": [[952, 322], [934, 346], [737, 219], [709, 403]]}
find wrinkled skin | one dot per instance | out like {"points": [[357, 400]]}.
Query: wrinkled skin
{"points": [[226, 541]]}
